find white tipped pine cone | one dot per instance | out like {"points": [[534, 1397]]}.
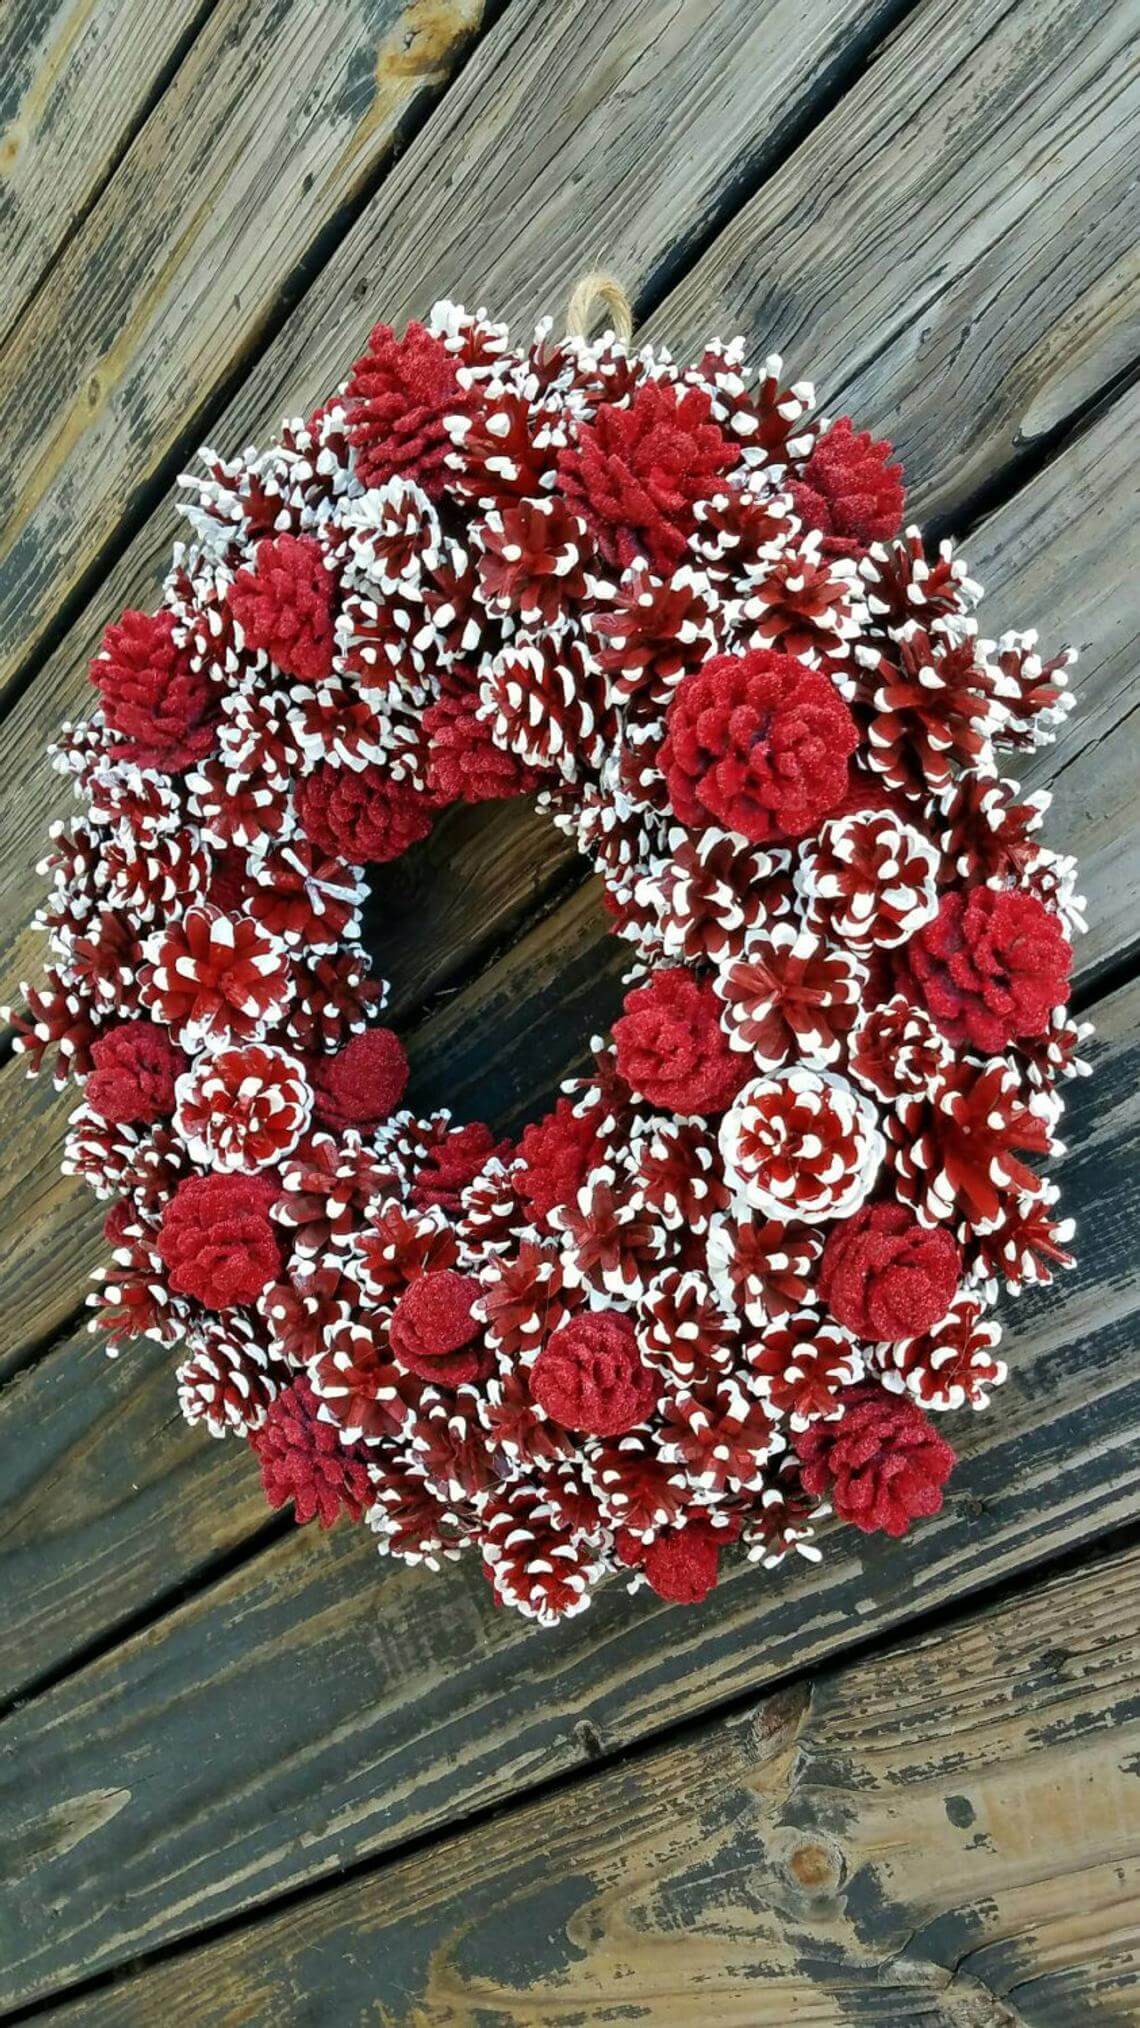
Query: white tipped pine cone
{"points": [[546, 700], [869, 879], [953, 1365], [536, 1564], [226, 1382], [242, 1108], [788, 995], [802, 1144]]}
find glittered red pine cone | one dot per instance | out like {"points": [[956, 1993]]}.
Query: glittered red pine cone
{"points": [[671, 1048], [991, 967], [885, 1276], [135, 1067], [452, 1164], [434, 1332], [399, 393], [681, 1564], [556, 1153], [589, 1376], [759, 743], [465, 762], [636, 473], [217, 1241], [286, 604], [363, 1083], [361, 814], [849, 489], [305, 1460], [161, 708], [881, 1466]]}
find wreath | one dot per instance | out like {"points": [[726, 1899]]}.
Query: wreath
{"points": [[737, 1274]]}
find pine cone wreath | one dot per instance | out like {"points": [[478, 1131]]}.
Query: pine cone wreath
{"points": [[734, 1277]]}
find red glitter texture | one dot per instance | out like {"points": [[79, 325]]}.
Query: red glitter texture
{"points": [[304, 1460], [285, 605], [217, 1241], [135, 1067], [671, 1048], [991, 967], [464, 763], [557, 1154], [759, 743], [361, 814], [881, 1466], [398, 394], [589, 1375], [452, 1165], [681, 1564], [636, 473], [885, 1276], [849, 489], [363, 1083], [433, 1329], [163, 709]]}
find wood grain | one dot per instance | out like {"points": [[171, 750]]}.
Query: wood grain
{"points": [[989, 219], [92, 417], [76, 82], [111, 1501], [213, 212], [947, 1833], [314, 1707]]}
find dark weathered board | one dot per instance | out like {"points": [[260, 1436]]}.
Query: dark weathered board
{"points": [[946, 1833], [1054, 549], [315, 1706], [76, 83], [91, 416], [535, 120], [201, 236], [110, 1501]]}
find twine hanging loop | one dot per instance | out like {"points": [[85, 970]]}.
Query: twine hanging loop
{"points": [[587, 294]]}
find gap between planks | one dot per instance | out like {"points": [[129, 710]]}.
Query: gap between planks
{"points": [[815, 1873]]}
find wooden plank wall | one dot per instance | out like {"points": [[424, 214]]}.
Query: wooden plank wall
{"points": [[211, 1710]]}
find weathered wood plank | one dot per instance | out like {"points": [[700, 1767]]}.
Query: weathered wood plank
{"points": [[276, 121], [110, 1500], [76, 80], [91, 417], [946, 1833], [313, 1708], [580, 171], [1054, 549]]}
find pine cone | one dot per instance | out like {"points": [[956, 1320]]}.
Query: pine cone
{"points": [[788, 995], [532, 560], [398, 397], [881, 1466], [543, 1569], [869, 879], [802, 1144], [226, 1382], [304, 1460]]}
